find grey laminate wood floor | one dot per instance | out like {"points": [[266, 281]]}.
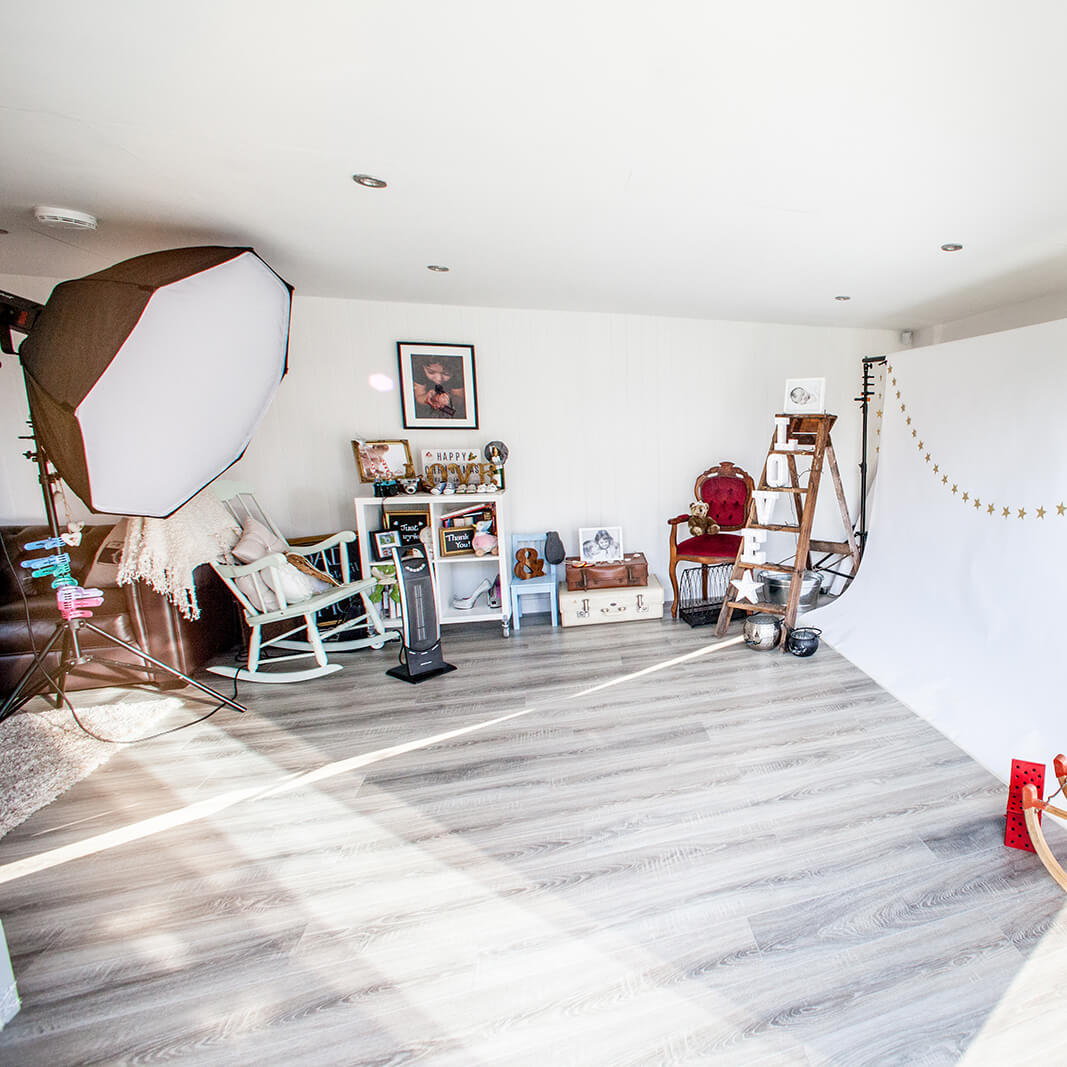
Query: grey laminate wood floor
{"points": [[744, 858]]}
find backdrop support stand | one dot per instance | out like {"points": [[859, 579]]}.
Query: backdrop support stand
{"points": [[864, 400]]}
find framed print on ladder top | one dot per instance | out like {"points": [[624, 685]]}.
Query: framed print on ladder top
{"points": [[805, 396], [437, 386]]}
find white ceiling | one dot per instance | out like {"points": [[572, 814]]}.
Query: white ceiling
{"points": [[693, 157]]}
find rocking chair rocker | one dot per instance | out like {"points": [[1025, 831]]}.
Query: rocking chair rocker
{"points": [[272, 588]]}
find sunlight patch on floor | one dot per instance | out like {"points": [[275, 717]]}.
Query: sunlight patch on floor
{"points": [[206, 808]]}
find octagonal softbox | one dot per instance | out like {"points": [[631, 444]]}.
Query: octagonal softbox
{"points": [[147, 380]]}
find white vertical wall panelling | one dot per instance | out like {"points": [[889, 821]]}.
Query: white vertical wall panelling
{"points": [[609, 418], [20, 496]]}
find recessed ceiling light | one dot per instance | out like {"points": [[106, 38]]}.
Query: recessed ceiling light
{"points": [[842, 298], [64, 217], [368, 181], [951, 248], [437, 267]]}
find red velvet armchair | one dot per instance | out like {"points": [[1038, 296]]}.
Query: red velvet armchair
{"points": [[726, 489]]}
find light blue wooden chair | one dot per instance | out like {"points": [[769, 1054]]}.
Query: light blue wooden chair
{"points": [[542, 585]]}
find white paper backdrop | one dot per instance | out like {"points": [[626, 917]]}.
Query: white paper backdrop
{"points": [[958, 607]]}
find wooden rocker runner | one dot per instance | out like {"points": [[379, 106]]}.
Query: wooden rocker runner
{"points": [[1033, 806]]}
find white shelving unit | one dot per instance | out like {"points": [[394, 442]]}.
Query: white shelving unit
{"points": [[454, 575]]}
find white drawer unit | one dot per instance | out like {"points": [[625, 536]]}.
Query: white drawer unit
{"points": [[592, 607]]}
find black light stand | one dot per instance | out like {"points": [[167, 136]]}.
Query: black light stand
{"points": [[864, 400], [67, 629]]}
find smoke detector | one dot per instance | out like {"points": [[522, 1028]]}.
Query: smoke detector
{"points": [[65, 217]]}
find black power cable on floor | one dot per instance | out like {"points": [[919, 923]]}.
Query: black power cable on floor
{"points": [[147, 737]]}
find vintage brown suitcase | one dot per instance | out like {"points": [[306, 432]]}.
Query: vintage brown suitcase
{"points": [[632, 569]]}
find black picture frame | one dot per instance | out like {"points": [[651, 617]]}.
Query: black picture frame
{"points": [[384, 540], [409, 521], [438, 387]]}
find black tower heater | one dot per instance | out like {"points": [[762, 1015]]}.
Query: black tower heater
{"points": [[420, 655]]}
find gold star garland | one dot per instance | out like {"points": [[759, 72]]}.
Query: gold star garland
{"points": [[966, 496], [878, 400]]}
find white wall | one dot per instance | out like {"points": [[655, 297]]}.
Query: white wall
{"points": [[20, 495], [956, 607], [609, 418]]}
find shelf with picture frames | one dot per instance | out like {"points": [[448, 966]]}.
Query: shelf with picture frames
{"points": [[458, 571]]}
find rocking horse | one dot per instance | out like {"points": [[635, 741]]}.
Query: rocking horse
{"points": [[1033, 806]]}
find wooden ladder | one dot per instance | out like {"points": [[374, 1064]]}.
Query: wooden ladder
{"points": [[795, 435]]}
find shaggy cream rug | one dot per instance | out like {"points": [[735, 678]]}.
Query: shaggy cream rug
{"points": [[44, 753]]}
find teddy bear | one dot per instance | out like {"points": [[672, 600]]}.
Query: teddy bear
{"points": [[484, 539], [699, 523]]}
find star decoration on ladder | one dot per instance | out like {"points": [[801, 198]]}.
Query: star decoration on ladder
{"points": [[746, 587]]}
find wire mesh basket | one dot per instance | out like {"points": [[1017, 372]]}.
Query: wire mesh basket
{"points": [[694, 606]]}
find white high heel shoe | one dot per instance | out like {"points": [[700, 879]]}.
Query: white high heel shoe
{"points": [[465, 602]]}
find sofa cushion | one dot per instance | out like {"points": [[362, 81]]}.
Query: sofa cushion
{"points": [[103, 572]]}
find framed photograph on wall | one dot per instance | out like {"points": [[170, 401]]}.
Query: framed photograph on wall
{"points": [[378, 460], [437, 386], [600, 544], [805, 396]]}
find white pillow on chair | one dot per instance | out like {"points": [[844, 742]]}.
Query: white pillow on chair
{"points": [[258, 541]]}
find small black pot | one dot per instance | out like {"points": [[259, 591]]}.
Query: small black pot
{"points": [[803, 641]]}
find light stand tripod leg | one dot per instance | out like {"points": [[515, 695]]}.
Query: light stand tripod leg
{"points": [[164, 666], [67, 654], [29, 672]]}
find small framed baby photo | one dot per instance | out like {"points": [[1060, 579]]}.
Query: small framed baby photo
{"points": [[382, 460], [437, 386]]}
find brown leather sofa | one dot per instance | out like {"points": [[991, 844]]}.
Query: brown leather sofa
{"points": [[132, 612]]}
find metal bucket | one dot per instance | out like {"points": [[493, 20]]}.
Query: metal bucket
{"points": [[803, 641], [762, 631], [777, 586]]}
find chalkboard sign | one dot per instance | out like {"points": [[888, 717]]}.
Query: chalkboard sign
{"points": [[407, 523], [458, 541]]}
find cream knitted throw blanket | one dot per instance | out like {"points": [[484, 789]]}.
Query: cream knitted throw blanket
{"points": [[165, 552]]}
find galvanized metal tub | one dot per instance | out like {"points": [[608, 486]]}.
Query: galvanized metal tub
{"points": [[776, 586]]}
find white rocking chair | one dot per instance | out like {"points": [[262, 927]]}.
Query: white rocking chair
{"points": [[261, 589]]}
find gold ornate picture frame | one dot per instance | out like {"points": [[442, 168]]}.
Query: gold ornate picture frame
{"points": [[382, 460]]}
